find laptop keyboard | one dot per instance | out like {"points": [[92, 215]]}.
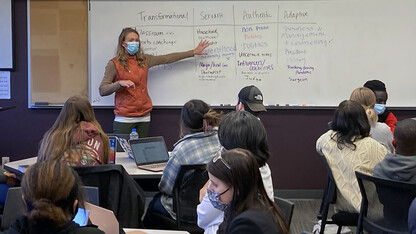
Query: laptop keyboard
{"points": [[156, 165]]}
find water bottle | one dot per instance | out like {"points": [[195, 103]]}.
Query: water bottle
{"points": [[134, 134]]}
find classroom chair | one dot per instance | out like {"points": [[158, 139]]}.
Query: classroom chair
{"points": [[13, 207], [287, 208], [190, 179], [385, 204], [329, 197], [117, 192]]}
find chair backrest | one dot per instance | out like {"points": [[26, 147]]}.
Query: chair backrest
{"points": [[385, 204], [190, 179], [287, 208], [330, 192], [91, 195], [13, 207], [117, 192]]}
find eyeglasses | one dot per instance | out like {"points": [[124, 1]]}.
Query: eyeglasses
{"points": [[218, 156], [129, 28]]}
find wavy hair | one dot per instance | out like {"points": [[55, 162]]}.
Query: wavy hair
{"points": [[58, 140], [122, 55], [350, 123]]}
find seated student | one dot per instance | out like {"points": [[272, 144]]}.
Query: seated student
{"points": [[194, 147], [76, 136], [347, 148], [238, 129], [384, 115], [51, 192], [401, 165], [250, 99], [379, 131], [235, 187]]}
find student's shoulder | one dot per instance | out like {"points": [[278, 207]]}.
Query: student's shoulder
{"points": [[253, 221]]}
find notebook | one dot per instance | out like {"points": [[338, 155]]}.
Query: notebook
{"points": [[150, 153]]}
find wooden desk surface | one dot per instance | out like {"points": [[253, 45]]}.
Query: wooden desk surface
{"points": [[121, 158]]}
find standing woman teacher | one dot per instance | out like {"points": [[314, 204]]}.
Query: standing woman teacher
{"points": [[126, 75]]}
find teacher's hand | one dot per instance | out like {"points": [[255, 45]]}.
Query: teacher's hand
{"points": [[126, 83], [199, 50]]}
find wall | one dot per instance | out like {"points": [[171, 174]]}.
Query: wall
{"points": [[292, 132]]}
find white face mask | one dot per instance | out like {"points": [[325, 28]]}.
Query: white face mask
{"points": [[379, 108]]}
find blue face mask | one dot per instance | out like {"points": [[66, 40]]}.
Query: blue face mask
{"points": [[214, 198], [132, 47], [379, 108]]}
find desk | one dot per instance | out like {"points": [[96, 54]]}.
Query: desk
{"points": [[133, 170], [121, 158]]}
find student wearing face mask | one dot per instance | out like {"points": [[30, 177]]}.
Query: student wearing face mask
{"points": [[126, 75], [384, 115], [236, 187]]}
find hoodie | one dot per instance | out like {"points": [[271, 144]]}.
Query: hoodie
{"points": [[397, 167]]}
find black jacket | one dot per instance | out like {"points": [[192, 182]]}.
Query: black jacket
{"points": [[24, 226]]}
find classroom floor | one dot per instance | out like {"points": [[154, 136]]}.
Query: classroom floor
{"points": [[304, 217]]}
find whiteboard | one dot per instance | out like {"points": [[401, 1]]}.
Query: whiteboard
{"points": [[297, 52], [6, 35]]}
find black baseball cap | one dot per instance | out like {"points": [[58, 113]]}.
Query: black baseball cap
{"points": [[252, 97]]}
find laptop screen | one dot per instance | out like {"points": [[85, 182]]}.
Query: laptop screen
{"points": [[149, 150]]}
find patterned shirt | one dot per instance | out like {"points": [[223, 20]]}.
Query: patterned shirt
{"points": [[196, 148]]}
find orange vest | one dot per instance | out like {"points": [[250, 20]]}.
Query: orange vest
{"points": [[132, 102]]}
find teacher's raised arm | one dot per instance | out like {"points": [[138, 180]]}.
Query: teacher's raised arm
{"points": [[126, 76]]}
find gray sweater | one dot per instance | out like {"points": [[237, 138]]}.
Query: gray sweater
{"points": [[397, 167]]}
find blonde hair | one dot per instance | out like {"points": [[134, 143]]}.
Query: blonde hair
{"points": [[121, 51], [367, 99], [58, 140]]}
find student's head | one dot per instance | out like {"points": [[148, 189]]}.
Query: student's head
{"points": [[367, 99], [51, 191], [59, 138], [350, 123], [235, 185], [405, 137], [240, 129], [129, 45], [76, 109], [379, 89], [250, 99], [195, 115]]}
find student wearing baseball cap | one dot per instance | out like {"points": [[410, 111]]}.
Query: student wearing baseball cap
{"points": [[250, 99]]}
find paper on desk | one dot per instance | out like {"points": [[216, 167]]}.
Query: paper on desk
{"points": [[4, 85]]}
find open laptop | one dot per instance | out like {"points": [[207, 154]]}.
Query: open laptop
{"points": [[150, 153], [123, 144]]}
